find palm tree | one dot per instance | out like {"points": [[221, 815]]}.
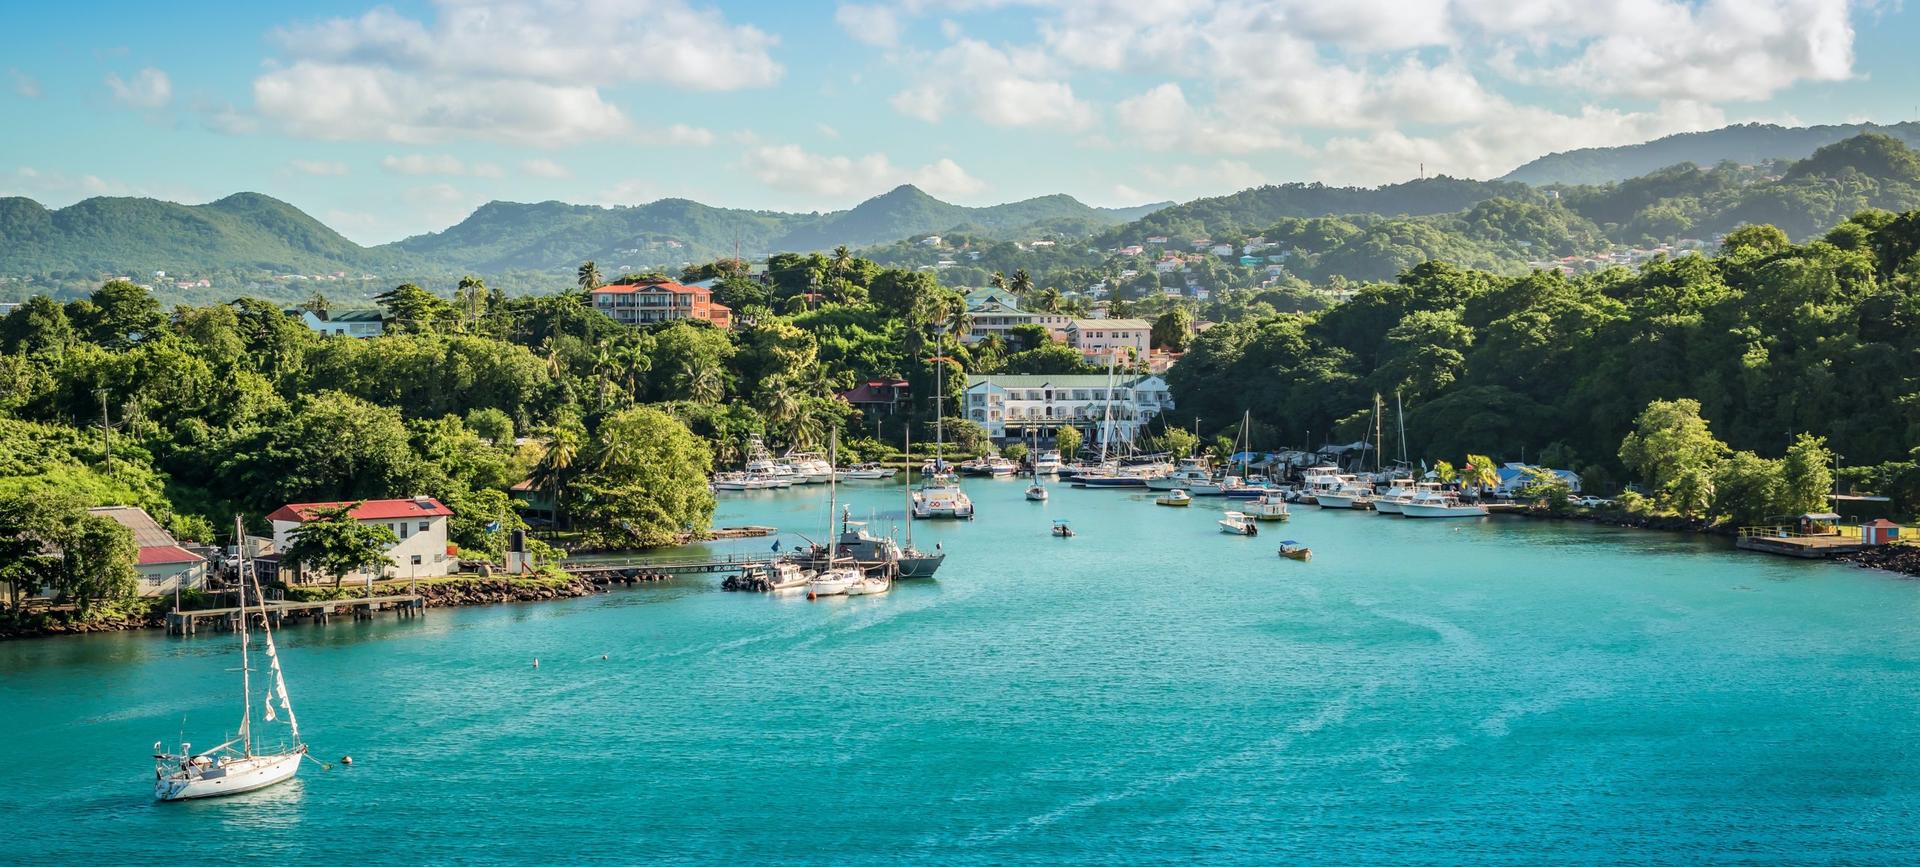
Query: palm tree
{"points": [[318, 304], [1021, 284], [589, 276], [1479, 473], [632, 361], [842, 260], [700, 381], [1049, 299], [997, 281], [958, 323], [556, 466]]}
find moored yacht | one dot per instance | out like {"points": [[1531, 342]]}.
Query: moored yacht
{"points": [[1047, 463], [1399, 490], [1272, 506], [1440, 504], [1191, 475], [808, 468], [991, 465], [1351, 494]]}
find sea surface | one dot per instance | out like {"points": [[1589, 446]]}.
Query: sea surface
{"points": [[1152, 691]]}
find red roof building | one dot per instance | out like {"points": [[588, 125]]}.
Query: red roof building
{"points": [[650, 301], [167, 555], [371, 510], [878, 396], [419, 527]]}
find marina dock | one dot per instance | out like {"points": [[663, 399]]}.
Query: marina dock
{"points": [[231, 619], [1791, 543]]}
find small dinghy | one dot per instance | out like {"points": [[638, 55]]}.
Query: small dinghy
{"points": [[1295, 551], [1175, 497], [1062, 529]]}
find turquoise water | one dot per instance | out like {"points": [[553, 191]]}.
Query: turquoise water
{"points": [[1150, 691]]}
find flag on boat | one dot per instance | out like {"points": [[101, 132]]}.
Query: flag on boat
{"points": [[776, 544]]}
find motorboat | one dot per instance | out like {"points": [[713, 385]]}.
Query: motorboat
{"points": [[1440, 504], [941, 499], [1191, 475], [1062, 529], [1351, 494], [993, 465], [1239, 524], [777, 576], [870, 584], [1272, 506], [730, 482], [1295, 551], [1047, 463], [808, 468], [1175, 497], [869, 471], [1236, 488], [241, 764], [1399, 490], [1314, 480]]}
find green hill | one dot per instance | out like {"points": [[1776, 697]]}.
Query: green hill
{"points": [[1743, 144], [244, 231], [1249, 211]]}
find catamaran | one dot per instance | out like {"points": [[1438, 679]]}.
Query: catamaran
{"points": [[940, 495], [237, 766]]}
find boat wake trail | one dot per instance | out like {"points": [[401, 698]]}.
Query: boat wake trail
{"points": [[1330, 714]]}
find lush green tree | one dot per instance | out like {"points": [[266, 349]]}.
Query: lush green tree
{"points": [[97, 557], [335, 545], [409, 309], [122, 313], [38, 325], [1671, 442], [1806, 476], [1048, 359], [1172, 329], [1014, 451], [965, 437], [1178, 442], [1067, 439], [588, 277], [1479, 472], [331, 447], [1747, 489], [645, 481]]}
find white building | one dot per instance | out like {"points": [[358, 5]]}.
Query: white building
{"points": [[352, 323], [1010, 406], [1099, 336], [419, 523]]}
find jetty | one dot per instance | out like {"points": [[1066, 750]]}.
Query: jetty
{"points": [[650, 568], [232, 619], [1817, 544]]}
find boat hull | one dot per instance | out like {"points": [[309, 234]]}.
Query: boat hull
{"points": [[243, 775], [1387, 507], [1109, 482], [1342, 501], [1417, 510], [921, 566]]}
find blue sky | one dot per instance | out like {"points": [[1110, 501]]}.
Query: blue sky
{"points": [[386, 120]]}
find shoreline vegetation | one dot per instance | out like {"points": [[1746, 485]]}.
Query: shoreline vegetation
{"points": [[1721, 386]]}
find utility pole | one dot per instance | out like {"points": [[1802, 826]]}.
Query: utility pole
{"points": [[106, 430]]}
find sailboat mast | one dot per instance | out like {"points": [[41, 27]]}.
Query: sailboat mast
{"points": [[1400, 410], [1378, 445], [906, 485], [1106, 413], [833, 458], [246, 662]]}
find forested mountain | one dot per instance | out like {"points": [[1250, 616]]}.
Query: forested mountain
{"points": [[131, 235], [1262, 206], [249, 232], [1744, 144]]}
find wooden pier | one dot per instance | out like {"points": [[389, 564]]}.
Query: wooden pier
{"points": [[231, 619], [644, 568], [1793, 543]]}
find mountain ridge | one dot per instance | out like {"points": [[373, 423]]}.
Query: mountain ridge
{"points": [[1746, 144]]}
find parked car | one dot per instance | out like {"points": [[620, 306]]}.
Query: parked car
{"points": [[1591, 502]]}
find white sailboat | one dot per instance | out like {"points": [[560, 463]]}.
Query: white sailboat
{"points": [[1036, 492], [235, 766], [839, 576]]}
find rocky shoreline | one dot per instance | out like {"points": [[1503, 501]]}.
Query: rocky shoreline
{"points": [[442, 594], [1903, 559]]}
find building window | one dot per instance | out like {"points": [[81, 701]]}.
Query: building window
{"points": [[423, 527], [416, 559], [403, 530]]}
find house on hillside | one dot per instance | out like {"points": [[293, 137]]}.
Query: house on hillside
{"points": [[1097, 337], [419, 523], [1514, 476], [164, 565], [878, 397], [659, 300], [349, 323]]}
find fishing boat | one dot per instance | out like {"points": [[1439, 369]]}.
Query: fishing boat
{"points": [[763, 470], [1440, 504], [808, 468], [1351, 494], [240, 764], [1062, 529], [1295, 551], [1399, 490], [1239, 524], [1272, 506], [1175, 497], [730, 482]]}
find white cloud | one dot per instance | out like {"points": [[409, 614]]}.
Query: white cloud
{"points": [[1013, 87], [24, 85], [795, 169], [424, 164], [545, 168], [826, 131], [318, 167], [521, 71], [149, 89], [1503, 142], [1187, 180], [875, 25], [682, 134]]}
